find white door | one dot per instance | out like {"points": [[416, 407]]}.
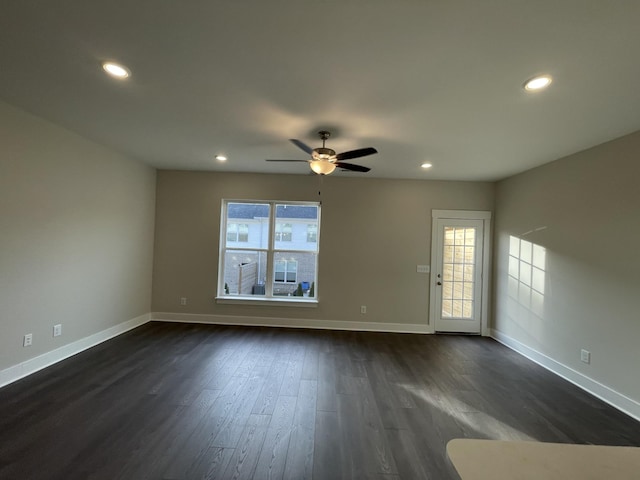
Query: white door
{"points": [[458, 257]]}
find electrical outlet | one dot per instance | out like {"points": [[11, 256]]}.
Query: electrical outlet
{"points": [[183, 300], [28, 340], [57, 330], [363, 309], [585, 356]]}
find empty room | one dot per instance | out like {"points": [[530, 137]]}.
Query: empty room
{"points": [[319, 240]]}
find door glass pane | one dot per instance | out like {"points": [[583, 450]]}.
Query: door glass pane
{"points": [[447, 308], [458, 269], [468, 291], [448, 254], [468, 273], [470, 237], [449, 235]]}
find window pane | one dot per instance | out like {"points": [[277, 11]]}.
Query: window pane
{"points": [[447, 272], [448, 254], [447, 290], [447, 308], [448, 235], [244, 272], [249, 223], [468, 273], [296, 270], [469, 255], [459, 237], [457, 290], [468, 291], [297, 227], [467, 309], [470, 237], [458, 272], [457, 308]]}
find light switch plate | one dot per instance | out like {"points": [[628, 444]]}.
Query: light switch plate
{"points": [[423, 269]]}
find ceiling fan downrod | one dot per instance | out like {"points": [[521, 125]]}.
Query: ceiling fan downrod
{"points": [[322, 153]]}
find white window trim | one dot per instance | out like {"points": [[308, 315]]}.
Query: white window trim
{"points": [[268, 299]]}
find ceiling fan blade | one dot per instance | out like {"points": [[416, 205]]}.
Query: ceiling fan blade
{"points": [[361, 152], [352, 167], [301, 145], [283, 160]]}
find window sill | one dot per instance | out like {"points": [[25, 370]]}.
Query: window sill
{"points": [[274, 302]]}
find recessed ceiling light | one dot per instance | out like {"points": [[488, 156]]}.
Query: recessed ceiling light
{"points": [[221, 158], [115, 70], [426, 165], [538, 83]]}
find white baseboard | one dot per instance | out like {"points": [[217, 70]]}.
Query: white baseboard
{"points": [[616, 399], [16, 372], [290, 323]]}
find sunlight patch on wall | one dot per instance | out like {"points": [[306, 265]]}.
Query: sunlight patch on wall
{"points": [[527, 276]]}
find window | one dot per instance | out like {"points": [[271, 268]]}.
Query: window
{"points": [[312, 233], [237, 232], [286, 271], [269, 250], [284, 232]]}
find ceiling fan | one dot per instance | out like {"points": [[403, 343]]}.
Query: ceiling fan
{"points": [[324, 160]]}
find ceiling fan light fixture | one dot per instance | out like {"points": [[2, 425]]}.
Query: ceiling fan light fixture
{"points": [[322, 167]]}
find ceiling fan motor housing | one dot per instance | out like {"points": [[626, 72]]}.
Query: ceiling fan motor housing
{"points": [[323, 153]]}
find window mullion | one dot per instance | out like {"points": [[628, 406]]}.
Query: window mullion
{"points": [[270, 255]]}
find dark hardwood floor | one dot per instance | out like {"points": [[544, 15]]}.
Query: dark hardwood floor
{"points": [[178, 401]]}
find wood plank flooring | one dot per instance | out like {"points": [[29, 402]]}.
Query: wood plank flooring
{"points": [[178, 401]]}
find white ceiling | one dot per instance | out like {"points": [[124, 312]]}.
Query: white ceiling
{"points": [[420, 80]]}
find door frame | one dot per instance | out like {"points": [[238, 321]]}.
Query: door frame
{"points": [[485, 217]]}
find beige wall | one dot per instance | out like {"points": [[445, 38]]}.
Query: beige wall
{"points": [[76, 236], [584, 210], [373, 234]]}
